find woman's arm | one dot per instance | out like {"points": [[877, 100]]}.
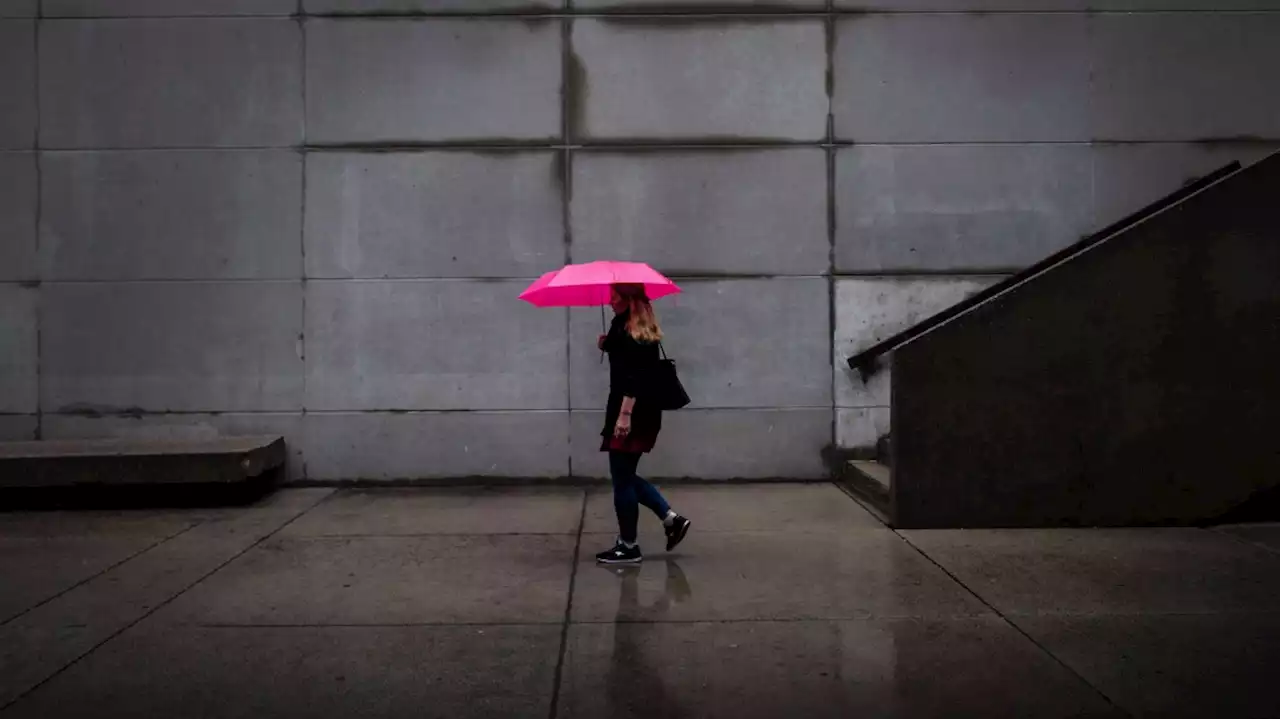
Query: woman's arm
{"points": [[623, 426]]}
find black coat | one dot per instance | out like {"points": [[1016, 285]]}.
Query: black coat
{"points": [[631, 366]]}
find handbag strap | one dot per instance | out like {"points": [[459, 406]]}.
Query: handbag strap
{"points": [[662, 350]]}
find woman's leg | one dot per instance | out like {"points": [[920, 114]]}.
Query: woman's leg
{"points": [[649, 496], [622, 468]]}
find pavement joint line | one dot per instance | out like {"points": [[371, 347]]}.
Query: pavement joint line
{"points": [[94, 576], [1013, 625], [160, 605], [553, 709], [1244, 540]]}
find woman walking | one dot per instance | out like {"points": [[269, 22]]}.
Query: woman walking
{"points": [[632, 424]]}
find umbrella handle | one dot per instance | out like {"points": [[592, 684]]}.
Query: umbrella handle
{"points": [[602, 329]]}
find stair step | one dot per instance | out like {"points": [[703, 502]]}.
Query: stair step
{"points": [[868, 482]]}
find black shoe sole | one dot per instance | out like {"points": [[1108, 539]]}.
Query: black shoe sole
{"points": [[678, 537]]}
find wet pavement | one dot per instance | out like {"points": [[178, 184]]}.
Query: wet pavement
{"points": [[786, 600]]}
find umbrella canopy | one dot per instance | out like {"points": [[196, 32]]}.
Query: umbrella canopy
{"points": [[588, 285]]}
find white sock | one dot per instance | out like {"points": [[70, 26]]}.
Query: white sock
{"points": [[671, 517], [625, 543]]}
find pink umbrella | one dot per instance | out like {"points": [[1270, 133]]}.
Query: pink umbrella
{"points": [[588, 285]]}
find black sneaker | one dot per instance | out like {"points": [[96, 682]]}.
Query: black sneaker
{"points": [[676, 530], [621, 554]]}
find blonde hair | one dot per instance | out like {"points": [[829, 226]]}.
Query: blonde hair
{"points": [[642, 323]]}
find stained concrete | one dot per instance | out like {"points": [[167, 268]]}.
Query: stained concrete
{"points": [[19, 349], [783, 599], [423, 345], [859, 428], [960, 208], [1264, 535], [168, 8], [962, 78], [380, 81], [426, 6], [433, 214], [205, 215], [17, 84], [115, 347], [1222, 90], [18, 198], [435, 445], [759, 211], [718, 444], [170, 83], [715, 79], [699, 5]]}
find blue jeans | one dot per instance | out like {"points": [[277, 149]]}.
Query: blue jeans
{"points": [[630, 491]]}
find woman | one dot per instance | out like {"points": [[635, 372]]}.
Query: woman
{"points": [[631, 424]]}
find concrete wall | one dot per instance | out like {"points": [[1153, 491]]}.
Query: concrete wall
{"points": [[224, 216]]}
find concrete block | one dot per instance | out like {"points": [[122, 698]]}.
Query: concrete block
{"points": [[170, 83], [434, 214], [704, 212], [869, 310], [710, 80], [432, 345], [1189, 76], [167, 8], [719, 444], [455, 80], [184, 427], [959, 207], [962, 5], [171, 215], [19, 348], [195, 346], [18, 208], [1203, 5], [737, 343], [859, 428], [962, 77], [1129, 177], [355, 7], [694, 6], [18, 427], [435, 445], [19, 8], [17, 84]]}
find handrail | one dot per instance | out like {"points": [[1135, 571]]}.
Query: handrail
{"points": [[865, 361]]}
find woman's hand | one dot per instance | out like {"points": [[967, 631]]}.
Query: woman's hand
{"points": [[600, 342], [622, 427]]}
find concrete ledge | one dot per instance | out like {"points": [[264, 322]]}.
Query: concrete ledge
{"points": [[70, 463]]}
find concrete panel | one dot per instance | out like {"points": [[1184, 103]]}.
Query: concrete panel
{"points": [[19, 349], [746, 576], [859, 428], [19, 8], [479, 672], [962, 5], [397, 81], [704, 212], [451, 510], [388, 581], [717, 80], [869, 310], [170, 83], [198, 346], [167, 8], [435, 214], [182, 427], [715, 331], [979, 667], [719, 444], [18, 208], [694, 6], [1129, 177], [962, 77], [341, 7], [959, 208], [1222, 64], [432, 345], [1205, 5], [18, 427], [436, 445], [17, 84], [171, 215]]}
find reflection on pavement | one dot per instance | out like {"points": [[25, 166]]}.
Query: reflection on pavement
{"points": [[635, 687]]}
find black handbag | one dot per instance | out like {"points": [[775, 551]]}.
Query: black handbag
{"points": [[665, 389]]}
